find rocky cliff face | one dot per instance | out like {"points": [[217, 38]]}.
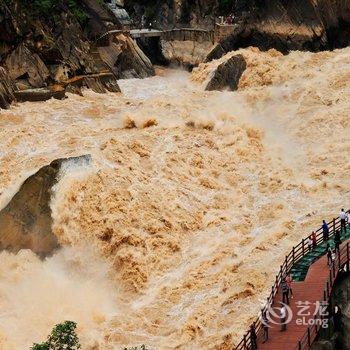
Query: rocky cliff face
{"points": [[6, 89], [174, 13], [48, 43], [328, 338], [289, 25], [285, 25]]}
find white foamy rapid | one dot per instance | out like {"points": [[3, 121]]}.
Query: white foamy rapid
{"points": [[172, 235]]}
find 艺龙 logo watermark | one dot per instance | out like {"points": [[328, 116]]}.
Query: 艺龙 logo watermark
{"points": [[307, 314]]}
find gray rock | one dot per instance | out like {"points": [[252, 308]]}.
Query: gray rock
{"points": [[99, 83], [26, 220], [124, 57], [227, 74], [23, 62], [39, 94]]}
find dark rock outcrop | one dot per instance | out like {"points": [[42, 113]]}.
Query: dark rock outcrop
{"points": [[39, 94], [26, 220], [24, 63], [99, 83], [174, 13], [288, 25], [45, 44], [312, 25], [7, 89], [125, 58], [227, 74], [330, 337]]}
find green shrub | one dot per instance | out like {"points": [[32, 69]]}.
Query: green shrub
{"points": [[62, 337], [42, 346], [48, 7], [77, 12]]}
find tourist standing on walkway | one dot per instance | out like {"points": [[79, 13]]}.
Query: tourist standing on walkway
{"points": [[329, 255], [309, 243], [325, 230], [285, 291], [337, 318], [333, 255], [348, 217], [343, 217], [253, 337], [283, 318], [289, 280], [314, 239], [265, 326], [337, 240]]}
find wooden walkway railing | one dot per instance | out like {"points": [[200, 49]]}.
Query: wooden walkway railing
{"points": [[296, 254]]}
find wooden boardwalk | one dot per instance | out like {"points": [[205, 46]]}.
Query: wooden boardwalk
{"points": [[311, 290], [312, 287]]}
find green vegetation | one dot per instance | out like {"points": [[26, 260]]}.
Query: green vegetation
{"points": [[225, 6], [43, 7], [48, 7], [62, 337], [77, 12], [42, 346]]}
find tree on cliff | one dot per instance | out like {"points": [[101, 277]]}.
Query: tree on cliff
{"points": [[62, 337]]}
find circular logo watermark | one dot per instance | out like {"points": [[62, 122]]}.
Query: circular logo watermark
{"points": [[277, 315]]}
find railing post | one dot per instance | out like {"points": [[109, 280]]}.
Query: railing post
{"points": [[302, 246], [245, 341], [299, 345], [347, 257], [308, 337], [333, 226], [286, 263], [293, 256], [339, 262], [324, 294], [327, 289]]}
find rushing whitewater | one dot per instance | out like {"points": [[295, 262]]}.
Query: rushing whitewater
{"points": [[173, 234]]}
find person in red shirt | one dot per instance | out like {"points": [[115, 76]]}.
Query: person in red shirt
{"points": [[289, 281], [314, 241]]}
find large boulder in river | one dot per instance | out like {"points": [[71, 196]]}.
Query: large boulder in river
{"points": [[227, 74], [6, 89], [125, 58]]}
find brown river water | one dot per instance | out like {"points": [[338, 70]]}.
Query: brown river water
{"points": [[171, 237]]}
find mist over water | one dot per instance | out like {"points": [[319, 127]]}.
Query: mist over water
{"points": [[161, 232]]}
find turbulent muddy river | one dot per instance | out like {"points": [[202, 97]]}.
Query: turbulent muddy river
{"points": [[171, 235]]}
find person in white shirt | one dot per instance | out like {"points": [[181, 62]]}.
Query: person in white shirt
{"points": [[309, 243], [283, 318], [333, 256], [348, 217], [343, 217]]}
